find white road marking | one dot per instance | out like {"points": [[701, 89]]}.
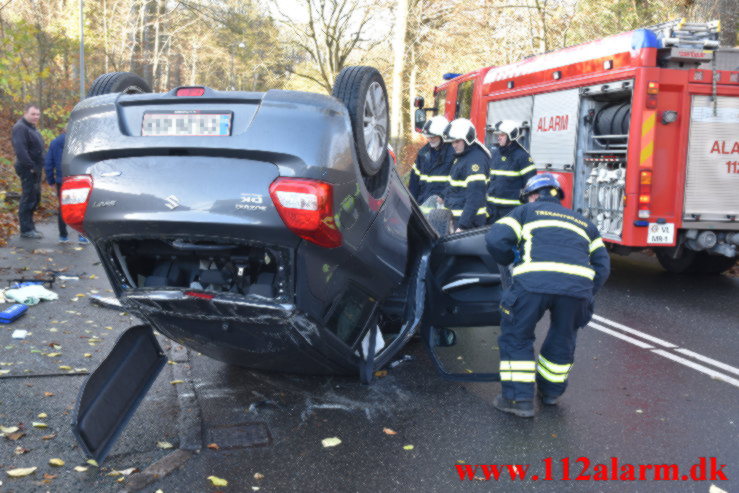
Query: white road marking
{"points": [[696, 366], [626, 338], [656, 340], [678, 359]]}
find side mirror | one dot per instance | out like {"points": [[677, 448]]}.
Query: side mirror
{"points": [[420, 119]]}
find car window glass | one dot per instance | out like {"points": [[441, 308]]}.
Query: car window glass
{"points": [[464, 99]]}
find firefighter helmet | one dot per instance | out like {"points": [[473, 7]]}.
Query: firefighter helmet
{"points": [[538, 183], [435, 126], [462, 129], [510, 128]]}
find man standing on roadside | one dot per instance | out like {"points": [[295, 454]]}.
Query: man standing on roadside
{"points": [[53, 168], [29, 161]]}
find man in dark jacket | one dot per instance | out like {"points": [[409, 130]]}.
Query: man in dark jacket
{"points": [[465, 196], [29, 161], [53, 168], [510, 168], [560, 263], [430, 172]]}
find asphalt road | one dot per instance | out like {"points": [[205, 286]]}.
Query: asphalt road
{"points": [[655, 382]]}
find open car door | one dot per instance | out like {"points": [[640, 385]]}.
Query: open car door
{"points": [[461, 319]]}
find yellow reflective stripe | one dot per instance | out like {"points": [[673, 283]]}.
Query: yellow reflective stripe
{"points": [[496, 200], [526, 365], [554, 223], [458, 212], [575, 270], [415, 170], [554, 367], [596, 244], [528, 169], [511, 223], [466, 181], [550, 376], [504, 172], [434, 178], [508, 376]]}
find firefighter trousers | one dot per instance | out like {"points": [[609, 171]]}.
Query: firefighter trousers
{"points": [[520, 312]]}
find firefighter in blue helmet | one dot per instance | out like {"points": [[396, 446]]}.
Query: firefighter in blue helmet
{"points": [[465, 196], [430, 172], [559, 264], [510, 168]]}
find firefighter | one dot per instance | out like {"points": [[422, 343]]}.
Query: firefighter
{"points": [[430, 172], [465, 196], [559, 264], [510, 168]]}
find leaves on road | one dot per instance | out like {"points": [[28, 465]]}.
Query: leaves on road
{"points": [[9, 429], [331, 442], [92, 462], [258, 476], [389, 431], [80, 468], [213, 446], [43, 415], [21, 472], [49, 437], [175, 382], [20, 450], [15, 436], [56, 462], [216, 481], [164, 445], [408, 447], [38, 424]]}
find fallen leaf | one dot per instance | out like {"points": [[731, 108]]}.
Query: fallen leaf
{"points": [[15, 436], [21, 472], [4, 372], [43, 415], [164, 445], [213, 446], [258, 475], [65, 367], [37, 424], [49, 437], [216, 481], [129, 471], [9, 429], [53, 329], [554, 435], [175, 382], [56, 462], [120, 480], [92, 462], [170, 362], [49, 477], [80, 295], [381, 373], [20, 450], [389, 431], [109, 328], [114, 473], [87, 355], [48, 394], [331, 442], [80, 468], [639, 411], [407, 447], [255, 488]]}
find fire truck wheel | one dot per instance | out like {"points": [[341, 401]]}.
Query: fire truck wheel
{"points": [[684, 264], [113, 82], [363, 92], [708, 264]]}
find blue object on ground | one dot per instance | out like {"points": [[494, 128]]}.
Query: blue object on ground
{"points": [[11, 314]]}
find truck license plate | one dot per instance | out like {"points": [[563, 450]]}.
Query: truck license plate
{"points": [[661, 234]]}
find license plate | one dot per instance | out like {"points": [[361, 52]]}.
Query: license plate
{"points": [[188, 123], [661, 234]]}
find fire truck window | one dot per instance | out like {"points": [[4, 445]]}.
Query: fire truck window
{"points": [[464, 99], [440, 103]]}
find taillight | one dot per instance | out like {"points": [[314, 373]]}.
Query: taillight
{"points": [[190, 91], [74, 196], [645, 193], [306, 208], [652, 92]]}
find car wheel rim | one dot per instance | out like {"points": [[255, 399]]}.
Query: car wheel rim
{"points": [[375, 121]]}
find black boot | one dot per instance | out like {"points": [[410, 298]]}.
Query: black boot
{"points": [[522, 409]]}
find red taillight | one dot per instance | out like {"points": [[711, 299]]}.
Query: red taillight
{"points": [[653, 87], [190, 91], [204, 296], [645, 193], [652, 91], [306, 208], [74, 196]]}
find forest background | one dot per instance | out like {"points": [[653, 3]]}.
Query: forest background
{"points": [[256, 45]]}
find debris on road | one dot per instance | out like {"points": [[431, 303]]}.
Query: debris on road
{"points": [[331, 442], [31, 295], [10, 315], [216, 481], [19, 334]]}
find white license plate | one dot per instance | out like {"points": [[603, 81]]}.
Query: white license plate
{"points": [[186, 123], [661, 234]]}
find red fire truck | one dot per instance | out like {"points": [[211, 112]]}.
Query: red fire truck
{"points": [[642, 129]]}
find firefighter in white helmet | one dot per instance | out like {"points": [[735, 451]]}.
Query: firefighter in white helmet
{"points": [[465, 196], [510, 168], [430, 172]]}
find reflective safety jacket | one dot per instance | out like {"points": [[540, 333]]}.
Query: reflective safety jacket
{"points": [[510, 168], [554, 250], [465, 196], [430, 172]]}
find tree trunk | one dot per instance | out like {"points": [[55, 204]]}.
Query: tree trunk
{"points": [[396, 103]]}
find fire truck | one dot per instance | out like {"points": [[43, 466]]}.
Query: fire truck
{"points": [[641, 128]]}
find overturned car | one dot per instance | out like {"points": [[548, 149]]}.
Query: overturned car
{"points": [[266, 230]]}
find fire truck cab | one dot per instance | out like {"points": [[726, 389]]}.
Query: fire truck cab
{"points": [[642, 129]]}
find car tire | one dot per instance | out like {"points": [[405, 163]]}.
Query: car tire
{"points": [[441, 221], [114, 82], [362, 90], [684, 264]]}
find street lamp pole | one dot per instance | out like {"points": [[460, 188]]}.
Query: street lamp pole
{"points": [[82, 49]]}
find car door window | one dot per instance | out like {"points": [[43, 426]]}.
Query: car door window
{"points": [[464, 99]]}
